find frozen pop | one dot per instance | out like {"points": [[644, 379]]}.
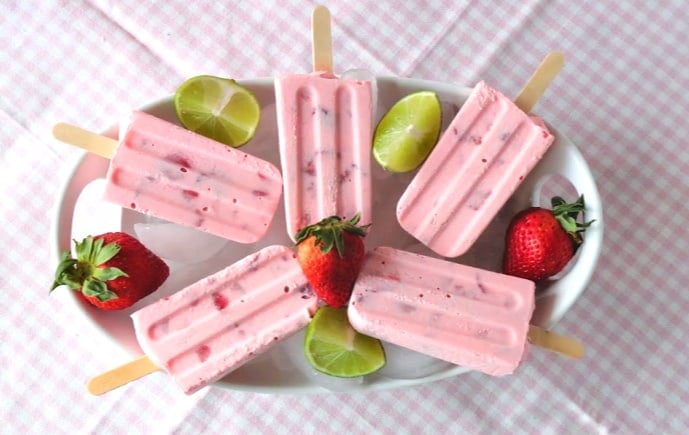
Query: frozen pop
{"points": [[324, 130], [468, 316], [163, 170], [478, 163], [212, 327]]}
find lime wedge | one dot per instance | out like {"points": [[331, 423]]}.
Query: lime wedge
{"points": [[218, 108], [333, 347], [408, 132]]}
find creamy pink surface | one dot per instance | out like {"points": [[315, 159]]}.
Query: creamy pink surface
{"points": [[166, 171], [470, 317], [480, 160], [210, 328], [324, 128]]}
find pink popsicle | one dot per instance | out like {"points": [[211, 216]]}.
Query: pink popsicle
{"points": [[212, 327], [163, 170], [468, 316], [478, 163], [172, 173], [324, 126]]}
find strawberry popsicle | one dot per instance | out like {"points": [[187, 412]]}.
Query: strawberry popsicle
{"points": [[471, 317], [479, 161], [212, 327], [324, 130], [163, 170], [325, 147]]}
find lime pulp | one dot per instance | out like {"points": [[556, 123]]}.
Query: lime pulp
{"points": [[333, 347]]}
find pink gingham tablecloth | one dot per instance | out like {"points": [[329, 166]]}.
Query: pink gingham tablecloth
{"points": [[623, 98]]}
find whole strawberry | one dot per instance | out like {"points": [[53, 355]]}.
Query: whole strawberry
{"points": [[540, 242], [112, 271], [332, 272]]}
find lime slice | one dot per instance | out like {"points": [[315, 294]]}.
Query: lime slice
{"points": [[218, 108], [333, 347], [408, 132]]}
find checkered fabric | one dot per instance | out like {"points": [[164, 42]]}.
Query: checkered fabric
{"points": [[623, 98]]}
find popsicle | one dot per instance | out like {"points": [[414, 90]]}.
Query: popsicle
{"points": [[324, 131], [470, 317], [205, 331], [163, 170], [480, 160]]}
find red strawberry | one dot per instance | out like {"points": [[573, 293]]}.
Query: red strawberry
{"points": [[112, 271], [540, 242], [332, 272]]}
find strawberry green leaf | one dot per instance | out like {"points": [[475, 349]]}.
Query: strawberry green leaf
{"points": [[557, 201], [568, 223], [66, 263], [584, 225], [339, 243], [83, 248], [63, 272], [567, 214], [107, 273], [105, 253], [328, 233], [99, 290], [326, 242], [67, 257], [96, 247], [64, 280]]}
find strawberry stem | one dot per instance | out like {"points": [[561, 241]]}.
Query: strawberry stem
{"points": [[84, 273], [567, 214], [328, 233]]}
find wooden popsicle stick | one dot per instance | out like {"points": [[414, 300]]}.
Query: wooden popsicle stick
{"points": [[549, 340], [321, 40], [121, 375], [540, 80], [91, 142]]}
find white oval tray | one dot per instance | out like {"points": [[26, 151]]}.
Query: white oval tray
{"points": [[563, 161]]}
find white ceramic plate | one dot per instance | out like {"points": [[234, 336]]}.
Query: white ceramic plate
{"points": [[563, 170]]}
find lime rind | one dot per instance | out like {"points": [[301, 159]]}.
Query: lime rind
{"points": [[408, 132], [333, 347], [218, 108]]}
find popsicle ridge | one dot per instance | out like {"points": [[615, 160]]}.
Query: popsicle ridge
{"points": [[353, 180], [407, 271], [214, 330], [226, 306], [381, 300]]}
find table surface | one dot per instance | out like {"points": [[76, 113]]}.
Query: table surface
{"points": [[622, 98]]}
